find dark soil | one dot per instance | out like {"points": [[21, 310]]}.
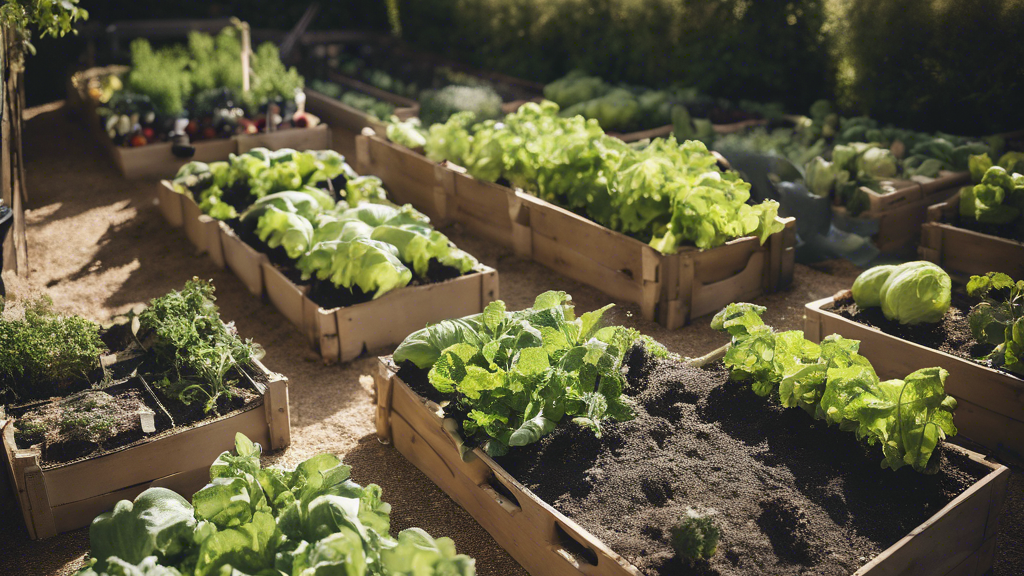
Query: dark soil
{"points": [[242, 394], [792, 495], [952, 335]]}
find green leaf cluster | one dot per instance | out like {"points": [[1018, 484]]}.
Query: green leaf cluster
{"points": [[438, 105], [998, 319], [832, 382], [998, 195], [666, 193], [361, 241], [253, 521], [174, 77], [43, 350], [195, 348], [516, 375], [910, 293], [696, 535]]}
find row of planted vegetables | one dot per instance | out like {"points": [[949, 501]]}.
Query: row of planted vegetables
{"points": [[638, 458]]}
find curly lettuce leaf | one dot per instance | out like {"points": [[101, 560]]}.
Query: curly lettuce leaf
{"points": [[371, 265], [278, 228], [418, 245]]}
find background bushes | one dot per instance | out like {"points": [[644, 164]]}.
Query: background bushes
{"points": [[953, 65]]}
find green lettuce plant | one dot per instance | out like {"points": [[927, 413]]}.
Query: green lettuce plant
{"points": [[360, 240], [832, 382], [998, 319], [910, 293], [997, 197], [667, 193], [518, 374], [310, 520]]}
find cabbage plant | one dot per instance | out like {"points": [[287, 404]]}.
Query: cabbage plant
{"points": [[911, 293]]}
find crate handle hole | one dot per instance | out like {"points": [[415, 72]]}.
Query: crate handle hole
{"points": [[502, 495], [572, 549]]}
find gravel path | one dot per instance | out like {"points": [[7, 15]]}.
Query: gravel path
{"points": [[99, 247]]}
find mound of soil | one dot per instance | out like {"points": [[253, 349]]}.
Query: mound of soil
{"points": [[791, 495]]}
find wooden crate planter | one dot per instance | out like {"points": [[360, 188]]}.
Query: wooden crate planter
{"points": [[666, 130], [156, 160], [670, 288], [963, 252], [61, 497], [547, 543], [340, 115], [898, 216], [990, 403], [339, 334]]}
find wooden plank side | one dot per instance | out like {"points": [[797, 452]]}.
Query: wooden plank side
{"points": [[168, 455], [74, 515], [315, 138], [945, 540], [170, 204], [387, 320], [243, 260], [991, 407], [611, 249], [407, 175], [594, 273], [157, 161], [709, 298], [284, 294], [275, 404], [970, 252]]}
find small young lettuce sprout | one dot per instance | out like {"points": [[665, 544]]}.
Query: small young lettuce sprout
{"points": [[696, 535]]}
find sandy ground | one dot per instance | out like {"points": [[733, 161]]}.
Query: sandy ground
{"points": [[99, 246]]}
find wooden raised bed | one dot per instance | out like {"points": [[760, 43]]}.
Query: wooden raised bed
{"points": [[666, 130], [670, 288], [56, 498], [156, 160], [340, 115], [990, 403], [547, 543], [339, 334], [898, 216], [965, 252]]}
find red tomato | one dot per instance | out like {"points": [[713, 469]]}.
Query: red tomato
{"points": [[139, 140], [209, 133], [192, 128], [148, 133]]}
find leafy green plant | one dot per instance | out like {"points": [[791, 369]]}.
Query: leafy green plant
{"points": [[361, 241], [911, 293], [195, 348], [516, 375], [997, 198], [54, 18], [438, 106], [998, 319], [667, 193], [696, 536], [44, 350], [830, 381], [250, 520]]}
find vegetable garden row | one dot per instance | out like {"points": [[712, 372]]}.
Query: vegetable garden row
{"points": [[581, 447]]}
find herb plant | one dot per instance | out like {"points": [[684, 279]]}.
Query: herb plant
{"points": [[999, 319], [516, 375], [252, 520], [832, 382], [195, 349], [42, 351]]}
